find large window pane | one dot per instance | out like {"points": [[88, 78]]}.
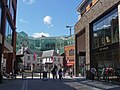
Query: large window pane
{"points": [[12, 11], [8, 33], [8, 3], [115, 30]]}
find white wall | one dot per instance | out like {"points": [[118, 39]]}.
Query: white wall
{"points": [[57, 60], [29, 60], [47, 60]]}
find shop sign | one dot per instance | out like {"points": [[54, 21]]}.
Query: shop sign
{"points": [[103, 48]]}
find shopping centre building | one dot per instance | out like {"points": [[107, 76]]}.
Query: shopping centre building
{"points": [[97, 36]]}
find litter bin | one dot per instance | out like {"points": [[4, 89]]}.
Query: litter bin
{"points": [[44, 75]]}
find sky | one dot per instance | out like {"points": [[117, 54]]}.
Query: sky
{"points": [[46, 17]]}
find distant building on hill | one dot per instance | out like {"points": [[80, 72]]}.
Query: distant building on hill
{"points": [[42, 46], [43, 43]]}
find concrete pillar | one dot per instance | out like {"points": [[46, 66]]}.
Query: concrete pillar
{"points": [[119, 28], [76, 66], [119, 20]]}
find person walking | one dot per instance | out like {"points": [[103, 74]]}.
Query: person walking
{"points": [[71, 72], [54, 73], [60, 74], [93, 72]]}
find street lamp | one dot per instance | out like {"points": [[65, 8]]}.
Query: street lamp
{"points": [[69, 28]]}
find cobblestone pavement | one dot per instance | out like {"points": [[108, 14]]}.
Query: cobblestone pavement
{"points": [[66, 84]]}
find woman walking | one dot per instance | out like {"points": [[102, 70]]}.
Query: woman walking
{"points": [[60, 74]]}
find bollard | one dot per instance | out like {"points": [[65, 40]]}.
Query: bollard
{"points": [[22, 75], [40, 75], [49, 74], [32, 75], [45, 75]]}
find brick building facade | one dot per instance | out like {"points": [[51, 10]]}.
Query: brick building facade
{"points": [[8, 34], [97, 36]]}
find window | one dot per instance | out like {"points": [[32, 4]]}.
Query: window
{"points": [[38, 60], [8, 33], [12, 11], [58, 59], [54, 59], [8, 3], [105, 30], [37, 43], [28, 57], [28, 65], [71, 52]]}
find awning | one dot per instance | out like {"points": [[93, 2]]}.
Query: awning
{"points": [[20, 55], [70, 63]]}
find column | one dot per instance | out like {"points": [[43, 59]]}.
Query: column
{"points": [[119, 28]]}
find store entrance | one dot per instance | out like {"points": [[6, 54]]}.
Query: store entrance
{"points": [[82, 63]]}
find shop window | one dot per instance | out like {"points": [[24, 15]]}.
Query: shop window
{"points": [[115, 30]]}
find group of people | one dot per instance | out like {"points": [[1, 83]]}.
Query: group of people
{"points": [[54, 73], [106, 73]]}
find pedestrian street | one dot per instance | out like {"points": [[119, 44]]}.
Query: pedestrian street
{"points": [[50, 84]]}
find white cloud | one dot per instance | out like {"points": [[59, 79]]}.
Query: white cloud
{"points": [[48, 20], [38, 35], [23, 21], [29, 1]]}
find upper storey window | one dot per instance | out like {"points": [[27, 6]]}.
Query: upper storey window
{"points": [[12, 11], [8, 33], [10, 7], [106, 30], [85, 6], [8, 3]]}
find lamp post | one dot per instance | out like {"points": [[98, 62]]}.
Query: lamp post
{"points": [[69, 28]]}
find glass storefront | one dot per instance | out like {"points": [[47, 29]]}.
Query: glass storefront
{"points": [[105, 30], [105, 47]]}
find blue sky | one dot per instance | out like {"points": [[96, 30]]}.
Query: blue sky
{"points": [[47, 17]]}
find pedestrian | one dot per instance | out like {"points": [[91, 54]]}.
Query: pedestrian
{"points": [[103, 73], [53, 73], [70, 72], [93, 72], [60, 74]]}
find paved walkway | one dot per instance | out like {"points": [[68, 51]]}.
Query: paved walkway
{"points": [[66, 84]]}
